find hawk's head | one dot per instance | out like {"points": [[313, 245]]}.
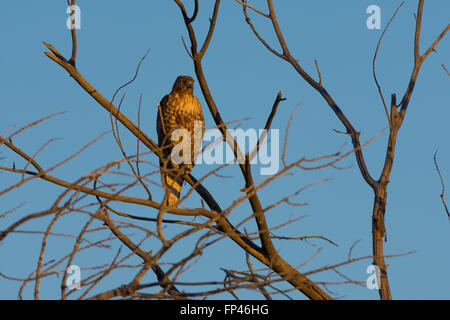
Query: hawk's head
{"points": [[183, 84]]}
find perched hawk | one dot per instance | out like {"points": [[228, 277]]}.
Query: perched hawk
{"points": [[180, 109]]}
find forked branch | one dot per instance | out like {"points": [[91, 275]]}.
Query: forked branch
{"points": [[395, 119]]}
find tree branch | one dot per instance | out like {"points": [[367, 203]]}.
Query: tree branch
{"points": [[443, 185]]}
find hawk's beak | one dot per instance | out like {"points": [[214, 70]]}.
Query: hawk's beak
{"points": [[190, 85]]}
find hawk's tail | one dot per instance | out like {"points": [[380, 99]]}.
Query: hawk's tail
{"points": [[172, 182]]}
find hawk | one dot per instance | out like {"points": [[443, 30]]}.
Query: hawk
{"points": [[178, 111]]}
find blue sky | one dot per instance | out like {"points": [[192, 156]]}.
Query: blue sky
{"points": [[244, 79]]}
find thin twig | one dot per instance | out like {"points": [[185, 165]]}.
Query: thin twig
{"points": [[318, 72], [443, 186], [73, 32], [445, 69]]}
